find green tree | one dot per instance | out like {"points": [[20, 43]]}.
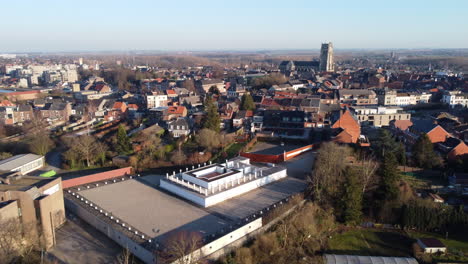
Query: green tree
{"points": [[389, 176], [247, 102], [352, 198], [212, 119], [401, 154], [385, 144], [423, 153], [123, 142], [214, 90]]}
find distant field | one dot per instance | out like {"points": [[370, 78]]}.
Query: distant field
{"points": [[371, 242]]}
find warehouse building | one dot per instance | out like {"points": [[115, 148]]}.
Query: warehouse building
{"points": [[24, 163]]}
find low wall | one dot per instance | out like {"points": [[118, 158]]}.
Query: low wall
{"points": [[263, 157], [243, 188], [293, 153], [276, 158], [96, 177]]}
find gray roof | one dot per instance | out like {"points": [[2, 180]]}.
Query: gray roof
{"points": [[352, 259], [17, 161], [423, 125], [356, 92], [24, 108]]}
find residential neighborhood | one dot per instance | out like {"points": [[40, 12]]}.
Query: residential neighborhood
{"points": [[210, 145]]}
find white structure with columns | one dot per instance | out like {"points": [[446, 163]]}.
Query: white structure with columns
{"points": [[210, 184]]}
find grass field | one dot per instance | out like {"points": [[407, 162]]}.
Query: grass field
{"points": [[379, 242], [234, 149], [371, 242]]}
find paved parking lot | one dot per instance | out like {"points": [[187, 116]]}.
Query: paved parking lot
{"points": [[79, 243], [300, 166], [244, 205]]}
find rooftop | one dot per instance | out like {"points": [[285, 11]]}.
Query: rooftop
{"points": [[353, 259], [24, 183], [150, 210], [17, 161]]}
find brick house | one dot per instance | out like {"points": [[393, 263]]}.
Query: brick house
{"points": [[346, 128], [434, 131], [56, 111]]}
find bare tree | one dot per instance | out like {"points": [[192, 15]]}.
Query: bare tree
{"points": [[17, 240], [368, 168], [40, 143], [178, 157], [85, 148], [86, 145], [125, 257], [327, 176], [208, 139], [181, 248]]}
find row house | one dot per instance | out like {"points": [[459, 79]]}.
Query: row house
{"points": [[453, 148], [287, 124], [242, 118], [455, 98], [379, 116], [116, 112], [358, 97], [405, 99], [206, 84], [434, 131], [56, 112], [236, 91]]}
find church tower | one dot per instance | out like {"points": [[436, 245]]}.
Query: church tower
{"points": [[326, 57]]}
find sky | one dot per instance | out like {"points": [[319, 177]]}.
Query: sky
{"points": [[178, 25]]}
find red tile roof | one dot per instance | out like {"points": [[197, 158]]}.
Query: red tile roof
{"points": [[176, 110], [349, 124], [403, 124]]}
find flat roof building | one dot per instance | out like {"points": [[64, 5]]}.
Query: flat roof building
{"points": [[143, 216], [35, 201], [215, 183], [24, 163]]}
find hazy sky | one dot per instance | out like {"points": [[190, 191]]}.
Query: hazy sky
{"points": [[82, 25]]}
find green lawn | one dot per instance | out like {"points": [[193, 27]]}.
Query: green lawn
{"points": [[457, 245], [234, 149], [370, 242]]}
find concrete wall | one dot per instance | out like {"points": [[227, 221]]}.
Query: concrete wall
{"points": [[96, 177], [50, 210], [182, 192], [114, 234], [9, 211], [229, 238], [263, 157], [293, 153], [243, 188]]}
